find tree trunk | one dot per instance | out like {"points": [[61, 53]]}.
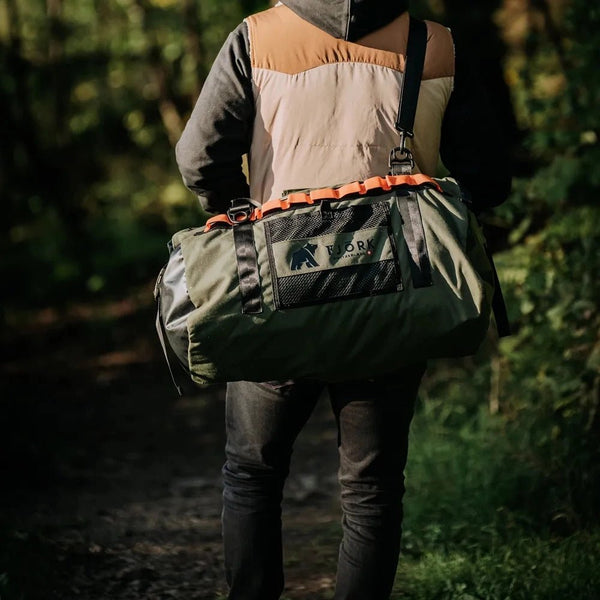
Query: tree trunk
{"points": [[172, 120], [194, 45], [18, 127], [60, 85]]}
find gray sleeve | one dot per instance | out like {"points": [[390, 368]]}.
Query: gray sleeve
{"points": [[218, 133]]}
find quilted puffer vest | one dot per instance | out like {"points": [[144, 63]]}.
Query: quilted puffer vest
{"points": [[326, 108]]}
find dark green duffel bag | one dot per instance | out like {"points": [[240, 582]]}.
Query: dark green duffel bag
{"points": [[332, 284]]}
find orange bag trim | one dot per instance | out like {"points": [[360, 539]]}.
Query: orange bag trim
{"points": [[314, 196]]}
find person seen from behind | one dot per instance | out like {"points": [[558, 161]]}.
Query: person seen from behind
{"points": [[309, 90]]}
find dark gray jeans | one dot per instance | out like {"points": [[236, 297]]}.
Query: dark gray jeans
{"points": [[373, 419]]}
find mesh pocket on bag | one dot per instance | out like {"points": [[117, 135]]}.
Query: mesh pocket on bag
{"points": [[327, 255], [346, 282], [322, 222]]}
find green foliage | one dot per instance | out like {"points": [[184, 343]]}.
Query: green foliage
{"points": [[551, 369], [503, 478], [544, 380], [478, 509], [525, 569], [551, 363], [94, 97], [459, 492]]}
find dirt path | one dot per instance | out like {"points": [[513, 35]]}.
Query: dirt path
{"points": [[111, 484]]}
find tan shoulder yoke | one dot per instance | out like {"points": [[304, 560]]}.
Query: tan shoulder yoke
{"points": [[282, 41]]}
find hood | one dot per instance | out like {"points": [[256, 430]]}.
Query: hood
{"points": [[348, 19]]}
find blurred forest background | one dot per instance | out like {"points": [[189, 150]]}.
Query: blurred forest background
{"points": [[504, 483]]}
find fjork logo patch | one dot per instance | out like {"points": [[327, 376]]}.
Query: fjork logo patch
{"points": [[351, 248], [337, 250], [304, 256]]}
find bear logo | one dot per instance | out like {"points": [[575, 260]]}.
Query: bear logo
{"points": [[304, 256]]}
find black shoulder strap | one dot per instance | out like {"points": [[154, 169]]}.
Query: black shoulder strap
{"points": [[413, 71], [401, 160]]}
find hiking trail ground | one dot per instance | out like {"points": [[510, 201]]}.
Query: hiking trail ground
{"points": [[111, 484]]}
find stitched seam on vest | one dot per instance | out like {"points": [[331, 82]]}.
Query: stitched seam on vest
{"points": [[324, 66], [335, 63], [351, 60]]}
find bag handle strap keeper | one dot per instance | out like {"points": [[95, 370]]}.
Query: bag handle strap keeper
{"points": [[240, 215]]}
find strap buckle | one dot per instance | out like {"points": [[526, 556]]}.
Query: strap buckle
{"points": [[401, 160], [240, 210]]}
